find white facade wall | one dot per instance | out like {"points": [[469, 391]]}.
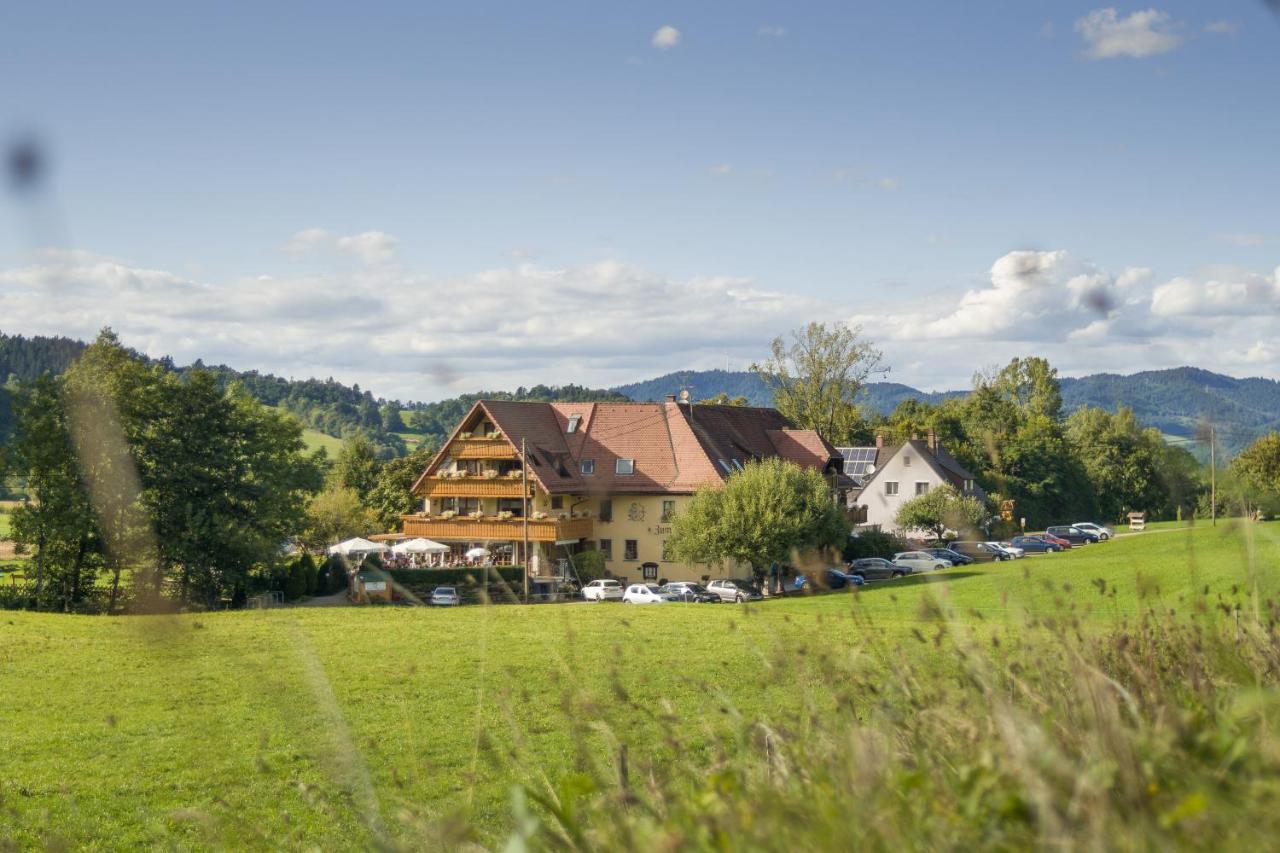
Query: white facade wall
{"points": [[907, 470]]}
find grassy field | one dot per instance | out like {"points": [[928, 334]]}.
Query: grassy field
{"points": [[4, 525], [345, 728]]}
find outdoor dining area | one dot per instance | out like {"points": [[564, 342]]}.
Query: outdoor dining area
{"points": [[420, 553]]}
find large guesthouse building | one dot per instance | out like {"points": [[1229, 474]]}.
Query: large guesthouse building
{"points": [[596, 476]]}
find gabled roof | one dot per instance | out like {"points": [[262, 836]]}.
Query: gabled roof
{"points": [[938, 460], [675, 447]]}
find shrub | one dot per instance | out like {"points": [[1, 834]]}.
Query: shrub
{"points": [[872, 543], [295, 586], [589, 565], [307, 566]]}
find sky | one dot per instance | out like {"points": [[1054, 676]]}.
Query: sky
{"points": [[431, 199]]}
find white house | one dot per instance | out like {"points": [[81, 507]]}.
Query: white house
{"points": [[888, 477]]}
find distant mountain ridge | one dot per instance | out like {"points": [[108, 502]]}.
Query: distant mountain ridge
{"points": [[1177, 401]]}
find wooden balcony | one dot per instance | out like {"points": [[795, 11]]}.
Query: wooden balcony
{"points": [[471, 487], [482, 448], [495, 529]]}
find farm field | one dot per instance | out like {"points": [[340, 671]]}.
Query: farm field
{"points": [[346, 727]]}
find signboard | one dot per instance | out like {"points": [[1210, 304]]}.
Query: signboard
{"points": [[375, 586]]}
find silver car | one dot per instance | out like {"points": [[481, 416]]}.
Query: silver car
{"points": [[445, 596], [920, 561]]}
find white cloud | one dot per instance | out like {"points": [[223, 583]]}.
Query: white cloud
{"points": [[772, 31], [721, 169], [666, 37], [887, 183], [1222, 28], [1138, 35], [408, 335], [1250, 294], [372, 247]]}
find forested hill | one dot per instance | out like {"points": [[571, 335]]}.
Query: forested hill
{"points": [[325, 405], [1176, 401]]}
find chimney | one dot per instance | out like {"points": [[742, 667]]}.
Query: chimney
{"points": [[879, 441], [671, 398], [933, 442]]}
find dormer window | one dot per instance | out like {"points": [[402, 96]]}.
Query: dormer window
{"points": [[574, 421], [625, 466]]}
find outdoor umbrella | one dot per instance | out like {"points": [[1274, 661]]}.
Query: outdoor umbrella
{"points": [[358, 546], [477, 553], [420, 546]]}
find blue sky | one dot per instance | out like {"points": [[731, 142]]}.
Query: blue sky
{"points": [[390, 194]]}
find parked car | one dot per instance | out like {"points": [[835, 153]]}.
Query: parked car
{"points": [[1073, 535], [1017, 552], [830, 578], [1034, 545], [1104, 533], [603, 589], [920, 561], [980, 552], [690, 591], [876, 569], [646, 593], [956, 558], [1053, 540], [445, 596], [735, 589]]}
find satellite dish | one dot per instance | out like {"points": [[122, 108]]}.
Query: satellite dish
{"points": [[871, 469], [684, 396]]}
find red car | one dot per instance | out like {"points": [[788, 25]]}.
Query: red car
{"points": [[1049, 537]]}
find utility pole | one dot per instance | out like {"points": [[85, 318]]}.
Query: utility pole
{"points": [[524, 496], [1213, 476]]}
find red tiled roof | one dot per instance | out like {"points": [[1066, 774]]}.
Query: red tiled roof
{"points": [[675, 447]]}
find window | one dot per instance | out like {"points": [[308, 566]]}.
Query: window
{"points": [[587, 466], [650, 571], [668, 511], [890, 488], [630, 550], [606, 510], [968, 485], [725, 465], [666, 552], [574, 420], [906, 460], [921, 488], [606, 548], [557, 502], [625, 466], [515, 506]]}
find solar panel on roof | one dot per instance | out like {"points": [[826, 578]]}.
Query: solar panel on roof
{"points": [[857, 461]]}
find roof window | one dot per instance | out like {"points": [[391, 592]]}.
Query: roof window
{"points": [[574, 421], [625, 466]]}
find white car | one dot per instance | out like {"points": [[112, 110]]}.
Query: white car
{"points": [[445, 596], [646, 593], [1103, 533], [920, 561], [1017, 552], [602, 589]]}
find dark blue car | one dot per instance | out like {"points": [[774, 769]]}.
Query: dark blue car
{"points": [[1034, 545]]}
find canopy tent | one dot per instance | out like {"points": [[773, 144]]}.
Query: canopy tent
{"points": [[358, 546], [420, 546]]}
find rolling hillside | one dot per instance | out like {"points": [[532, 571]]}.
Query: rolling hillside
{"points": [[1176, 401]]}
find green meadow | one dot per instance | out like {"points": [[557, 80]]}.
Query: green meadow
{"points": [[973, 706]]}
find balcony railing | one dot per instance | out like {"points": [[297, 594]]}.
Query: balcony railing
{"points": [[492, 529], [482, 448], [471, 487]]}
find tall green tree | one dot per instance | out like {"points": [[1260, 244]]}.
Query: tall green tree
{"points": [[941, 509], [392, 494], [771, 511], [56, 521], [1124, 461], [1257, 469], [356, 466], [334, 514], [817, 376]]}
